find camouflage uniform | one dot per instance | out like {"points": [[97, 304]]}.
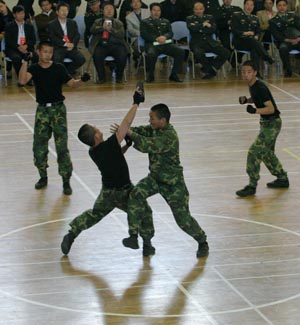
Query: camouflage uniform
{"points": [[165, 177], [107, 200], [48, 120], [263, 148]]}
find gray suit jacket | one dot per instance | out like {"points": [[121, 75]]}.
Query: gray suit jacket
{"points": [[133, 23]]}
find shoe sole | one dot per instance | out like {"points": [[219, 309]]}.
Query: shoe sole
{"points": [[129, 245]]}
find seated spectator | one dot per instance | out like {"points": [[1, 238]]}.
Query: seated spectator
{"points": [[42, 20], [285, 27], [245, 28], [203, 28], [224, 22], [6, 16], [95, 12], [108, 38], [65, 36], [28, 7], [157, 33], [133, 20], [263, 17], [19, 39], [172, 10], [126, 9]]}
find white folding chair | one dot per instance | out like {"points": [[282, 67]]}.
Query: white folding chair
{"points": [[235, 53]]}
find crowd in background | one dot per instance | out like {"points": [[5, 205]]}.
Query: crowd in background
{"points": [[114, 27]]}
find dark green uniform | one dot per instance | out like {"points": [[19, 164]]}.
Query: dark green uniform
{"points": [[241, 22], [165, 177], [263, 148], [150, 29], [282, 27], [203, 40], [89, 19], [224, 22]]}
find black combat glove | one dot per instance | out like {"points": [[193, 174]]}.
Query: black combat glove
{"points": [[139, 96], [243, 100], [128, 140], [251, 109], [27, 56], [85, 77]]}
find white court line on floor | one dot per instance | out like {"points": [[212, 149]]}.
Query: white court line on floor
{"points": [[201, 310]]}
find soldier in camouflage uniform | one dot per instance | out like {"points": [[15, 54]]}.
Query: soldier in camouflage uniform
{"points": [[50, 117], [263, 148], [109, 158], [285, 27], [160, 141]]}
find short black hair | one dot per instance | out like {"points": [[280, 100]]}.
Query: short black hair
{"points": [[162, 111], [249, 0], [44, 43], [251, 64], [62, 4], [86, 134], [41, 1], [154, 4], [18, 8], [277, 1]]}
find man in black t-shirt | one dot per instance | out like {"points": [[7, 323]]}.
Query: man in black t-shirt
{"points": [[116, 185], [263, 148], [50, 117]]}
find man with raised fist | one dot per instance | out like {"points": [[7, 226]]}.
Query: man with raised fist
{"points": [[51, 115], [263, 148]]}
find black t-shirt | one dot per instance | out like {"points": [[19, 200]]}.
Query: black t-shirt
{"points": [[260, 94], [111, 163], [48, 82]]}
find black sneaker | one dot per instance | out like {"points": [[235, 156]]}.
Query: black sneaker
{"points": [[67, 243], [148, 250], [41, 183], [202, 249], [246, 191], [67, 187], [131, 242], [279, 183]]}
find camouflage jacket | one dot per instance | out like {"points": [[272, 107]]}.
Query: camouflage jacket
{"points": [[162, 147]]}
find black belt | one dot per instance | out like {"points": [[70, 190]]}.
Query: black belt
{"points": [[271, 118], [51, 104]]}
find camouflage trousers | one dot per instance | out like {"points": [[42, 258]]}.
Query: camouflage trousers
{"points": [[50, 120], [263, 150], [107, 200], [177, 197]]}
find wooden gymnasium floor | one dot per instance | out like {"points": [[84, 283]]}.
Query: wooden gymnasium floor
{"points": [[252, 275]]}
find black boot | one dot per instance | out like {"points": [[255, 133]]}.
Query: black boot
{"points": [[66, 186], [67, 243], [202, 249], [131, 242], [148, 249], [41, 183]]}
